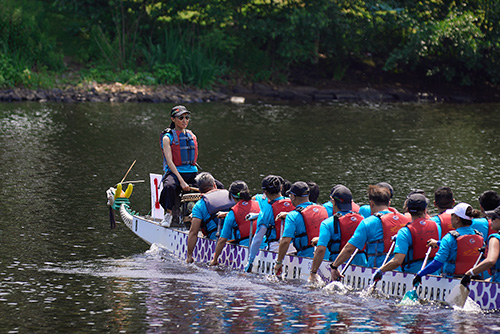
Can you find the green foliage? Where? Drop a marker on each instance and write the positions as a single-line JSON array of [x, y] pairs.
[[22, 38], [195, 60], [449, 48], [167, 74]]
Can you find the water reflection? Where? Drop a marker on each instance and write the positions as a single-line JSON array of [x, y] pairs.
[[62, 270]]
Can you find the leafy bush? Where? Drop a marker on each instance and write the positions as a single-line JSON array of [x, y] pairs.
[[167, 74], [450, 48]]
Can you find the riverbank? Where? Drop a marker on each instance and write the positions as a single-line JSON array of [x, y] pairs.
[[254, 93]]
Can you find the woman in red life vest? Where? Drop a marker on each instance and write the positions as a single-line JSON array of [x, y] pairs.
[[180, 152], [459, 249], [236, 226]]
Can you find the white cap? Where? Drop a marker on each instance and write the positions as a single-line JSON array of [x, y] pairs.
[[460, 210]]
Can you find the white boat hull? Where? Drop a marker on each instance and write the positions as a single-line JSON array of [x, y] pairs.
[[394, 284]]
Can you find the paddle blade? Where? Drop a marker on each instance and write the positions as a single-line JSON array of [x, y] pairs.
[[410, 298], [458, 295]]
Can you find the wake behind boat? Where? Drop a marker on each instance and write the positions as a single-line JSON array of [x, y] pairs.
[[174, 240]]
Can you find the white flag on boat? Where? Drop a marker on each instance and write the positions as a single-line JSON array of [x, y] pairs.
[[156, 187]]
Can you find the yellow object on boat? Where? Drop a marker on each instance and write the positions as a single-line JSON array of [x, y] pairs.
[[128, 192]]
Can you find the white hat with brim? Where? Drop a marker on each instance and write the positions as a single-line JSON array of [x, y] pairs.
[[460, 210]]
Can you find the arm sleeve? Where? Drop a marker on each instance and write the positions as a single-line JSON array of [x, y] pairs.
[[256, 242], [430, 268]]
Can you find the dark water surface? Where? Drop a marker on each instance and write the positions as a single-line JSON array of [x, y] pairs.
[[63, 271]]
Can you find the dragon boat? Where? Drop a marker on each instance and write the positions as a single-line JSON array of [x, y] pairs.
[[174, 240]]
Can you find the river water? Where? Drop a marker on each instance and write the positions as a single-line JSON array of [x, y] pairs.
[[62, 270]]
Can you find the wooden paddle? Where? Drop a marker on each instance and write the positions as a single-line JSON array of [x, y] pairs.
[[459, 294], [411, 296]]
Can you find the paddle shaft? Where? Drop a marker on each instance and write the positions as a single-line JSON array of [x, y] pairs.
[[130, 168], [385, 260], [348, 263]]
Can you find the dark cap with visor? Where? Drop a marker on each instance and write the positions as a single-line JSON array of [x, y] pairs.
[[178, 111], [299, 188]]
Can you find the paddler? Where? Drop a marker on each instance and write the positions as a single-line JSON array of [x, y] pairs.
[[336, 230], [375, 232], [236, 225], [492, 261], [301, 224], [329, 204], [365, 210], [269, 228], [459, 249], [180, 153], [443, 200], [204, 213], [411, 241]]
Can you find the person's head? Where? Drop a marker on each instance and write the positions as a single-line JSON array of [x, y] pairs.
[[238, 190], [414, 191], [313, 191], [416, 204], [379, 195], [462, 214], [387, 186], [298, 193], [285, 185], [342, 197], [443, 198], [489, 200], [494, 215], [180, 117], [205, 182], [272, 184]]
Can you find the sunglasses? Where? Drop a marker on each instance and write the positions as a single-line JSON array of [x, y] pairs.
[[182, 117]]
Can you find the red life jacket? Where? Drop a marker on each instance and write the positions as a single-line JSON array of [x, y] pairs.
[[468, 247], [184, 147], [446, 227], [241, 210], [282, 205], [313, 215], [346, 225], [392, 222], [421, 230]]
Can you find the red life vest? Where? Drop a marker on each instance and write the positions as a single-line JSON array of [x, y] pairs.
[[468, 246], [446, 227], [313, 215], [346, 225], [392, 222], [184, 147], [282, 205], [241, 210], [421, 230]]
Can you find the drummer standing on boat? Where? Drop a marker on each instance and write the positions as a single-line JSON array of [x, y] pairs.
[[180, 152]]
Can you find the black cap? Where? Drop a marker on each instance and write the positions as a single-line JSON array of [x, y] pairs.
[[271, 184], [416, 202], [494, 213], [388, 186], [299, 188], [236, 187], [178, 110], [342, 197]]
